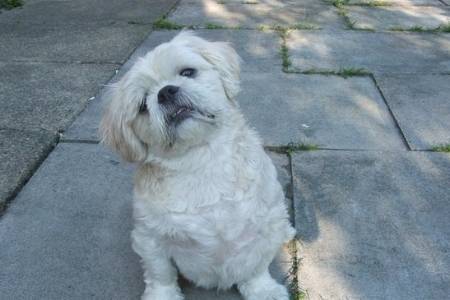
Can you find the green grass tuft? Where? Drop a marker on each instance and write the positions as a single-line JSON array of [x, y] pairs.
[[442, 28], [302, 26], [293, 147], [417, 29], [349, 72], [342, 11], [285, 28], [286, 60], [344, 72], [339, 3], [374, 3], [441, 148], [299, 295], [163, 23], [213, 26], [10, 4]]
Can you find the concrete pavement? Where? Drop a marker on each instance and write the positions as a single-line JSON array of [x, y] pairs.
[[370, 201], [54, 57]]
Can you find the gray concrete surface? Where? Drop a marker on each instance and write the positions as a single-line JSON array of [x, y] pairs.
[[373, 225], [398, 17], [201, 13], [375, 52], [20, 153], [328, 111], [400, 2], [47, 96], [421, 105], [77, 43], [54, 56], [259, 52], [79, 13], [70, 229]]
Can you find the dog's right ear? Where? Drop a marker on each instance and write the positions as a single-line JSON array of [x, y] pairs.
[[227, 62], [221, 55], [116, 125]]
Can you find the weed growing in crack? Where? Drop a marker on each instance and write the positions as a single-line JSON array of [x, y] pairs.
[[441, 148], [10, 4], [163, 23], [213, 26], [441, 28], [374, 3], [344, 72], [292, 148], [296, 292]]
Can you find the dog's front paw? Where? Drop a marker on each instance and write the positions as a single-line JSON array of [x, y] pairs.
[[162, 292], [263, 288]]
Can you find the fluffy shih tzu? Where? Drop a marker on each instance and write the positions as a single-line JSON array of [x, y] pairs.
[[207, 202]]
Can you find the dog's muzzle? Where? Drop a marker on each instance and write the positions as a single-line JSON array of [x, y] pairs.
[[177, 106]]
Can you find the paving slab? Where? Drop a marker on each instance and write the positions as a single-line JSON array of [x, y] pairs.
[[47, 96], [328, 111], [75, 216], [373, 225], [20, 153], [377, 52], [421, 105], [78, 43], [399, 2], [255, 16], [398, 17], [68, 13], [258, 50]]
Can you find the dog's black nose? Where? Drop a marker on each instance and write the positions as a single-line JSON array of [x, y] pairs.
[[167, 93]]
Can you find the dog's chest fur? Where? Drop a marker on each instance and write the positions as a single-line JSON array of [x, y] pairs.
[[211, 209]]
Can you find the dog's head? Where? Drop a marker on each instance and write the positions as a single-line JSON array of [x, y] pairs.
[[175, 97]]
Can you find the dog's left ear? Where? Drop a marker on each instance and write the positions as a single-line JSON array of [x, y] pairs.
[[227, 62], [115, 128]]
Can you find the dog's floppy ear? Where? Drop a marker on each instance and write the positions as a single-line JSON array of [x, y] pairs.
[[115, 127], [227, 62], [221, 55]]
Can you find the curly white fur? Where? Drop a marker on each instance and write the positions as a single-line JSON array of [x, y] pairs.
[[207, 201]]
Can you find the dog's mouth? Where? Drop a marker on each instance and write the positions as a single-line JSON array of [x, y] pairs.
[[180, 114], [184, 112]]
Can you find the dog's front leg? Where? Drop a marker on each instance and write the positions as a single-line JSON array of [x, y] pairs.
[[160, 275], [263, 287]]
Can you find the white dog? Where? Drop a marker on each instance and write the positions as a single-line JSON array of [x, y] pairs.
[[207, 201]]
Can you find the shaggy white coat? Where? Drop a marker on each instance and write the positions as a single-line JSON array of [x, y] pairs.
[[207, 200]]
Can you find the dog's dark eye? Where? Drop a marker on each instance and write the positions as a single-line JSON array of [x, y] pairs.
[[143, 105], [188, 72]]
